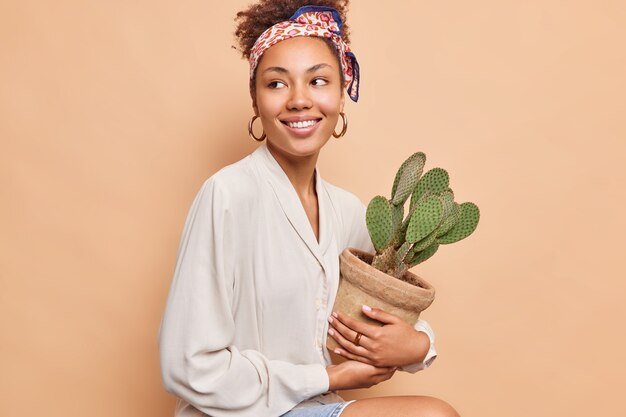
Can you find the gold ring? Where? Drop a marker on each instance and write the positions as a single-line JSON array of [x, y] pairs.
[[357, 338]]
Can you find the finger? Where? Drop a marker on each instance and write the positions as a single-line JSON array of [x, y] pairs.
[[352, 324], [347, 332], [349, 345], [380, 315], [352, 356]]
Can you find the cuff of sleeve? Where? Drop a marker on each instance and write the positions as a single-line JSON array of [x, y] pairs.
[[423, 326], [317, 379]]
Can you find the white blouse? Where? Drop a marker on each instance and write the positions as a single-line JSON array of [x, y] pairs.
[[244, 328]]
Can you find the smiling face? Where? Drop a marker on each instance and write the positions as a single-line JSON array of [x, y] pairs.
[[298, 95]]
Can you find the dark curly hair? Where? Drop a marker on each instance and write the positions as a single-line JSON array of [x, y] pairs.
[[265, 13]]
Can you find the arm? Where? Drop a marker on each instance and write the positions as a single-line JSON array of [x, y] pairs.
[[199, 362], [424, 329]]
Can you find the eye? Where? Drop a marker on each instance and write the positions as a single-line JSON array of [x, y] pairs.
[[319, 81], [276, 84]]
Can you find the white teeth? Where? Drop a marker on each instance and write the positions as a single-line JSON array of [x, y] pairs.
[[301, 125]]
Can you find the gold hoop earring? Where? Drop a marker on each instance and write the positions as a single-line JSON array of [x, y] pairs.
[[345, 126], [251, 133]]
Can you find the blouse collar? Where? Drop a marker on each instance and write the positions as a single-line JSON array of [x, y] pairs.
[[292, 206]]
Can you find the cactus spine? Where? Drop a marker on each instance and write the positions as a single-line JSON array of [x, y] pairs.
[[433, 219]]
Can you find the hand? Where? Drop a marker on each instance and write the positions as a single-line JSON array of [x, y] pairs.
[[354, 374], [394, 344]]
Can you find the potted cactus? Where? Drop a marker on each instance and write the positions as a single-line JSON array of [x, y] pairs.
[[383, 279]]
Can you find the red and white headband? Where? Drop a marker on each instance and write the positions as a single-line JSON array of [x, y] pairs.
[[311, 21]]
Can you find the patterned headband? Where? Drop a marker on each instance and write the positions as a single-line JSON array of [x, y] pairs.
[[311, 21]]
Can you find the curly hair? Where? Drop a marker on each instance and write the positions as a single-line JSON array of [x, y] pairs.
[[265, 13]]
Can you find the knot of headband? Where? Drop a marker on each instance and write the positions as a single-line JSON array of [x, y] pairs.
[[311, 21]]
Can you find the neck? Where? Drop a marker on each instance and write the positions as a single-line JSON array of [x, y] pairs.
[[299, 170]]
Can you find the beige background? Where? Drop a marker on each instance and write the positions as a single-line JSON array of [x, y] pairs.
[[113, 113]]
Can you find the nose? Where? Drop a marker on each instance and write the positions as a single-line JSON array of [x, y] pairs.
[[299, 98]]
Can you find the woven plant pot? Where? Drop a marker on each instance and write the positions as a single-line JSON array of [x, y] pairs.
[[360, 283]]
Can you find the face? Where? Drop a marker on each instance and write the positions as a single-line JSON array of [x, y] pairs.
[[298, 96]]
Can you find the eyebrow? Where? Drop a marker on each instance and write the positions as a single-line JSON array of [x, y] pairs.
[[285, 71]]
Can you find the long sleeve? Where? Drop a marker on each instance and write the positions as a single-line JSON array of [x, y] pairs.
[[360, 239], [199, 362]]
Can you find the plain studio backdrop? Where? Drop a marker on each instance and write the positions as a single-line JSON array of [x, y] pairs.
[[112, 114]]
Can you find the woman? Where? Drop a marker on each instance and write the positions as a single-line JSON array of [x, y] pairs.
[[250, 304]]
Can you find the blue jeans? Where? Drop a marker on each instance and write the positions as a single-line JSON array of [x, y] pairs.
[[322, 410]]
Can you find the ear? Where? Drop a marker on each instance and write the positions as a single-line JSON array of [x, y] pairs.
[[343, 101]]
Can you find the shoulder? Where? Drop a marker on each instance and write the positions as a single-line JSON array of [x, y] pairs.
[[236, 183]]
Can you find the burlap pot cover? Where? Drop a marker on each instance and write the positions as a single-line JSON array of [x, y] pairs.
[[360, 283]]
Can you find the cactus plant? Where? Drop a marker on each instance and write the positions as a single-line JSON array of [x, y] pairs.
[[433, 218]]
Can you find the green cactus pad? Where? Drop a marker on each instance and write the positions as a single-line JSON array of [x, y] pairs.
[[407, 178], [424, 255], [398, 236], [379, 219], [447, 199], [402, 253], [426, 242], [397, 213], [425, 219], [466, 224], [412, 207], [436, 181], [449, 221]]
